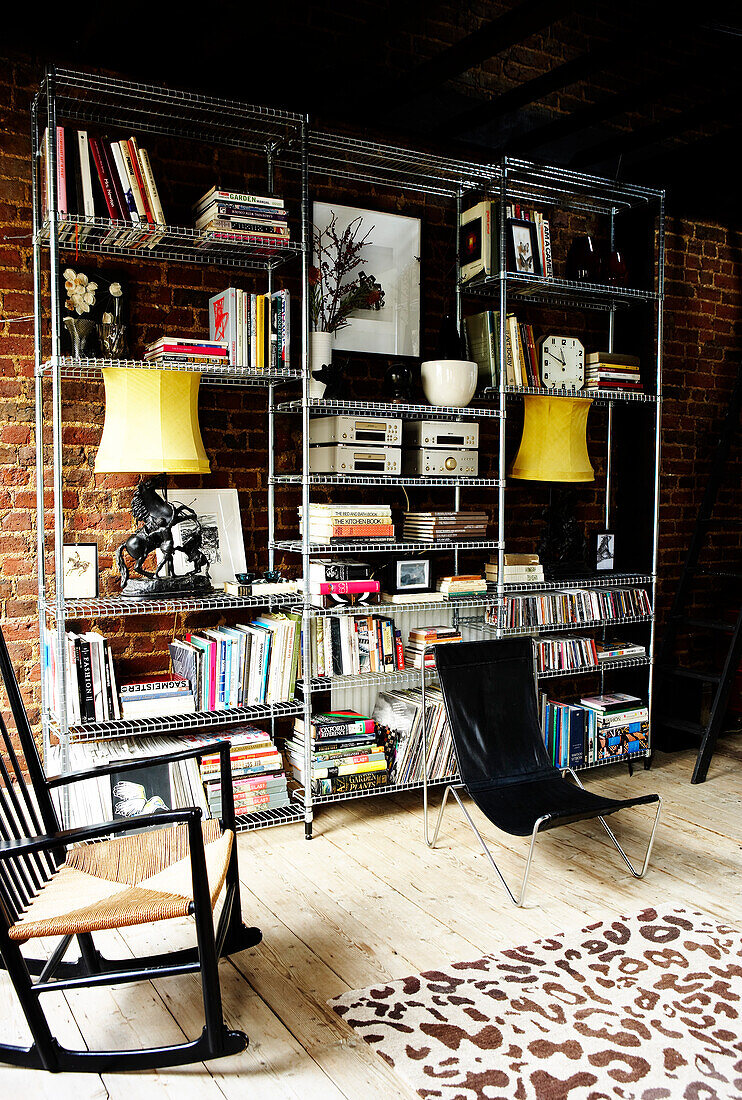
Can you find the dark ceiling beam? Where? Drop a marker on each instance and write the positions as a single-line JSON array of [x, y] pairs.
[[632, 141], [527, 18], [622, 49]]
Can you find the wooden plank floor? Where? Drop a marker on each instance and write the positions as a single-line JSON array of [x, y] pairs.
[[367, 902]]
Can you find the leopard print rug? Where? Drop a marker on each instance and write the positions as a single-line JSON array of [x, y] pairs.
[[647, 1007]]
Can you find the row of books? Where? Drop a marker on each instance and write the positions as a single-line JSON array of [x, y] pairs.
[[243, 665], [444, 526], [543, 234], [255, 328], [595, 730], [258, 779], [346, 753], [331, 524], [572, 606], [522, 367], [97, 177], [174, 351], [91, 691], [236, 216], [346, 645], [399, 719]]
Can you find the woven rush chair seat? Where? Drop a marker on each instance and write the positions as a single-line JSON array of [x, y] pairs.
[[127, 881]]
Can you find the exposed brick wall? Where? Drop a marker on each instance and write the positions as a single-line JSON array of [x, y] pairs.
[[702, 345]]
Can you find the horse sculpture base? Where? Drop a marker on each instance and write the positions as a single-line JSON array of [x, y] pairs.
[[163, 588]]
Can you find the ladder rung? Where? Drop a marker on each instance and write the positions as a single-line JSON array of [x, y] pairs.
[[728, 574], [695, 674], [682, 726], [709, 624]]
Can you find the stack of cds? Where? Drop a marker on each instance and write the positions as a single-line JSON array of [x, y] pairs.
[[444, 526], [174, 351]]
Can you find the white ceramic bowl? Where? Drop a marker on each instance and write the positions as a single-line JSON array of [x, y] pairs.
[[449, 381]]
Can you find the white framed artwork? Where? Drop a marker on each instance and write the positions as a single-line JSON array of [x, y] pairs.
[[223, 543], [392, 256]]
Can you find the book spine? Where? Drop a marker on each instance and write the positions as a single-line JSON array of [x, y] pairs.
[[101, 168], [149, 182], [136, 168], [342, 784], [240, 197], [113, 174], [61, 172], [87, 697], [399, 650], [548, 261], [136, 195]]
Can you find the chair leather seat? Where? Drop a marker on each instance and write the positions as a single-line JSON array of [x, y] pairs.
[[515, 807]]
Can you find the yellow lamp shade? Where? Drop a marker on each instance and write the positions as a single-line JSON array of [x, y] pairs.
[[151, 423], [553, 446]]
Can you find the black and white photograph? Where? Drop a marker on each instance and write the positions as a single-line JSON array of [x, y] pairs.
[[222, 540], [141, 791], [523, 250], [605, 547], [412, 575]]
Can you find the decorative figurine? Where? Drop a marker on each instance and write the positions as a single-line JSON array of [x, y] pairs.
[[158, 516], [398, 383], [334, 380]]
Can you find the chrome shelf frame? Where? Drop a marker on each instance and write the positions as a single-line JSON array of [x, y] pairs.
[[266, 819], [389, 788], [89, 369], [115, 606], [388, 480], [598, 396], [536, 630], [320, 407], [293, 546], [557, 291], [367, 679], [601, 666]]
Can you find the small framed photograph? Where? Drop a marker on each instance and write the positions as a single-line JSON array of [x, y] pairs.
[[80, 565], [223, 543], [410, 575], [605, 550], [522, 242]]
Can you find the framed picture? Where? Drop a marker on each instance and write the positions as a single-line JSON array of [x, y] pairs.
[[410, 575], [522, 242], [392, 256], [90, 297], [223, 543], [80, 564], [605, 550]]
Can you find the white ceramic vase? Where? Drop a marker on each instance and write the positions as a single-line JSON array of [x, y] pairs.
[[320, 355], [449, 381]]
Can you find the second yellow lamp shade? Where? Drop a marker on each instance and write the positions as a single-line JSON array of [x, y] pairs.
[[151, 423], [553, 446]]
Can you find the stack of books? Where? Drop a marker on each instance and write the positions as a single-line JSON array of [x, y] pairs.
[[612, 371], [156, 697], [241, 666], [345, 645], [333, 582], [255, 327], [444, 526], [174, 351], [599, 728], [90, 682], [422, 637], [399, 716], [462, 584], [346, 754], [233, 216], [331, 524], [517, 569], [101, 178], [611, 651], [258, 779]]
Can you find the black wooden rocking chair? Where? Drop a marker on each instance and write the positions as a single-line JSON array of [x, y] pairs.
[[53, 883], [489, 689]]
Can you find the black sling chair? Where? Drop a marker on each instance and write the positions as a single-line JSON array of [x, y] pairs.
[[489, 688], [54, 884]]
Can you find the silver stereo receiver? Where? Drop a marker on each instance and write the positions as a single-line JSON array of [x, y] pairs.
[[374, 431], [441, 433], [437, 462], [340, 459]]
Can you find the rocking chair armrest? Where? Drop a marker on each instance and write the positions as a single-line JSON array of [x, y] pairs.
[[62, 839], [122, 765]]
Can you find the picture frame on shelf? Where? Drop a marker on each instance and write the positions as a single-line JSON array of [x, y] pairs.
[[409, 575], [80, 570], [222, 539], [392, 256], [522, 247], [605, 550]]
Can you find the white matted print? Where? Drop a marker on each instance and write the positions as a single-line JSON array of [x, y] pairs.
[[392, 256], [80, 565], [223, 543]]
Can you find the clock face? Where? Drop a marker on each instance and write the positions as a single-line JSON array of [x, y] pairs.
[[562, 363]]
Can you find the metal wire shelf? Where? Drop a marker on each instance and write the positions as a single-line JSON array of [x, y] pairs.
[[599, 396], [266, 819], [90, 369], [107, 606], [390, 480], [172, 242], [584, 670], [386, 408], [390, 788], [155, 109], [367, 679], [294, 546], [535, 630], [538, 288], [544, 184], [174, 723], [615, 580]]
